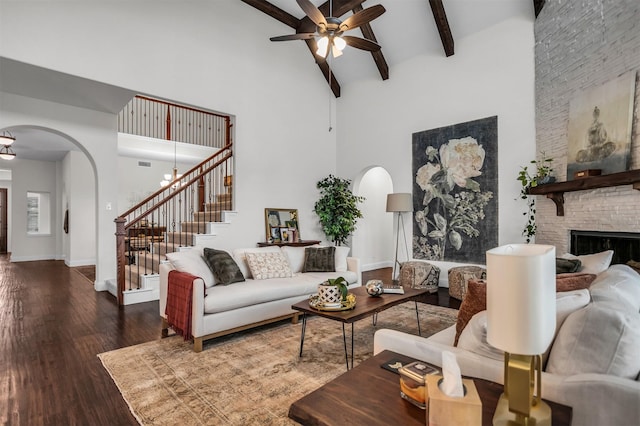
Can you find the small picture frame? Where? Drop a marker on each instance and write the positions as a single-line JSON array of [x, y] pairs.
[[275, 234], [284, 233]]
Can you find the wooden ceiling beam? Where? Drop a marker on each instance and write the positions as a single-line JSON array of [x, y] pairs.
[[537, 6], [275, 12], [378, 57], [442, 23]]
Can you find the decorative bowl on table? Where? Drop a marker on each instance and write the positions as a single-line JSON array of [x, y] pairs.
[[374, 288]]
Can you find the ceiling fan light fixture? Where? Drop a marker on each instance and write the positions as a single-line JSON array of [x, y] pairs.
[[323, 43], [339, 43]]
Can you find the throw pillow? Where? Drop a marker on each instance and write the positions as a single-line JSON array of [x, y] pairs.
[[240, 255], [475, 301], [592, 263], [319, 259], [296, 257], [575, 281], [565, 266], [191, 261], [223, 266], [599, 339], [268, 265]]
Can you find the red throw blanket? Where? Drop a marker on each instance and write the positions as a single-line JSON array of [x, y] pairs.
[[179, 302]]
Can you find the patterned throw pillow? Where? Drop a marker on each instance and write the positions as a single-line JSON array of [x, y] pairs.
[[223, 266], [319, 259], [268, 265], [474, 302]]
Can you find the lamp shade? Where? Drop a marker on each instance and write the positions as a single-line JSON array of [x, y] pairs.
[[400, 202], [521, 300]]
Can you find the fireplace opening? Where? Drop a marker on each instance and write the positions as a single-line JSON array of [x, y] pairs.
[[625, 245]]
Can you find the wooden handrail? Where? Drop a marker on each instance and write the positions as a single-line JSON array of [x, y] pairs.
[[180, 189]]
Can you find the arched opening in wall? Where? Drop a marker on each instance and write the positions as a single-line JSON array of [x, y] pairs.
[[373, 240], [52, 205]]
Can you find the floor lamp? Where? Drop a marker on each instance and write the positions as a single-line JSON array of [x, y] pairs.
[[399, 203]]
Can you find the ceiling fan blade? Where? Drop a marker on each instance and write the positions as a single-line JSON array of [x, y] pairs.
[[300, 36], [362, 43], [312, 12], [363, 17]]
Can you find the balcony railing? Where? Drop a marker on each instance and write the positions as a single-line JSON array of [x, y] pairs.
[[154, 118]]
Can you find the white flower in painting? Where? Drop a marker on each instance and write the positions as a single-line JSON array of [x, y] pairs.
[[425, 173], [463, 159]]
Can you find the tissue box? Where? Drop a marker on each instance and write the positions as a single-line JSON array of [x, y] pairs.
[[444, 410], [412, 382]]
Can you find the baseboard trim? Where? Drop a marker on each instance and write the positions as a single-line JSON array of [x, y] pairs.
[[377, 265], [80, 262]]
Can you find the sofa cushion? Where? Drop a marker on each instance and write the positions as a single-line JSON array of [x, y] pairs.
[[565, 266], [295, 256], [319, 259], [341, 258], [223, 266], [475, 301], [573, 281], [240, 256], [191, 261], [598, 339], [592, 263], [474, 336], [619, 284], [268, 265]]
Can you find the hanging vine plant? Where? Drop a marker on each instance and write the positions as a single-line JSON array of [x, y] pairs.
[[542, 175], [337, 208]]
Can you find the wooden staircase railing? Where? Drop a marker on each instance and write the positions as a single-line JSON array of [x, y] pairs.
[[172, 215]]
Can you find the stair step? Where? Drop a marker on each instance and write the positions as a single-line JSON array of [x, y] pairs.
[[217, 207], [208, 216], [151, 261], [163, 248], [224, 197], [132, 274], [195, 227], [179, 238]]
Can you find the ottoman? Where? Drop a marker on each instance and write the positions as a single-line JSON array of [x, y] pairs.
[[460, 275], [417, 274]]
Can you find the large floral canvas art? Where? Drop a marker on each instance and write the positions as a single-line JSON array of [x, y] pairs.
[[600, 122], [455, 191]]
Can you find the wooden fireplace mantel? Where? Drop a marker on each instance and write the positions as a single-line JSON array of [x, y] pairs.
[[555, 191]]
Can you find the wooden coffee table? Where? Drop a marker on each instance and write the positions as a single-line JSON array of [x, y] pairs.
[[370, 395], [365, 306]]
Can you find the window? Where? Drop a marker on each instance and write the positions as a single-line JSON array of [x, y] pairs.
[[38, 213]]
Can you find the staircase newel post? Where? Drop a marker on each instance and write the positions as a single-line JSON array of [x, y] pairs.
[[168, 122], [120, 256]]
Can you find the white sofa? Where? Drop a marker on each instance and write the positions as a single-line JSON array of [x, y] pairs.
[[593, 362], [225, 309]]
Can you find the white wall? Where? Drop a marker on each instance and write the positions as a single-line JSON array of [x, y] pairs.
[[490, 74], [37, 176], [95, 133]]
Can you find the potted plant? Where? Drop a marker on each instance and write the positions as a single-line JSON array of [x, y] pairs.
[[333, 291], [337, 208], [530, 179]]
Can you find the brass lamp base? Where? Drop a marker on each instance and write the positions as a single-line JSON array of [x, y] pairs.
[[540, 415]]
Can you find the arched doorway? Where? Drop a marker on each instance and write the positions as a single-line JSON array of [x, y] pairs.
[[373, 242]]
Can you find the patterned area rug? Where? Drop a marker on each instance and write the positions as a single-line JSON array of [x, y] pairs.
[[248, 378]]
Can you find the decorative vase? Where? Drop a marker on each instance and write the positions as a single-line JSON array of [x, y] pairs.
[[374, 288], [329, 294]]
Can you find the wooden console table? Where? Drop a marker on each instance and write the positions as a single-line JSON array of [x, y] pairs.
[[370, 395], [301, 243], [555, 191]]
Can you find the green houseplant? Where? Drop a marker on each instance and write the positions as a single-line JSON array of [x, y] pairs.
[[530, 179], [337, 208]]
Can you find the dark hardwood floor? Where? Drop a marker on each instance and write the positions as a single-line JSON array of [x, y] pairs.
[[53, 326]]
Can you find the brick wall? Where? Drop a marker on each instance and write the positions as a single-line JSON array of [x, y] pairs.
[[581, 45]]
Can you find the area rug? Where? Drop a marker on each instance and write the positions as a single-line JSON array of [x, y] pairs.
[[248, 378]]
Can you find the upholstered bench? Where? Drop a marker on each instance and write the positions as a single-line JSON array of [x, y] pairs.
[[417, 274], [460, 275]]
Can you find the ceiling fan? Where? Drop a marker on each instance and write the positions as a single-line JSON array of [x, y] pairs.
[[330, 29]]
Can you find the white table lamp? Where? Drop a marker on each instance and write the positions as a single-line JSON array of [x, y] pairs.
[[521, 320], [399, 203]]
